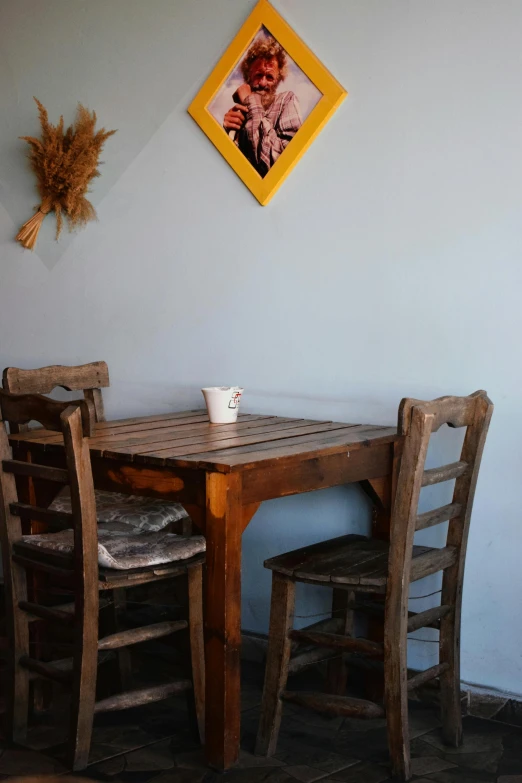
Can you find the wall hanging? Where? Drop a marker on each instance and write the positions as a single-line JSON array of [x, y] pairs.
[[265, 101], [64, 161]]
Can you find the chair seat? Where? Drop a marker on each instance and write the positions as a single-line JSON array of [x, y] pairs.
[[114, 509], [350, 560], [116, 551]]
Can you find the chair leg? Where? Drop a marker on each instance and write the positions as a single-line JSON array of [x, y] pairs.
[[396, 705], [85, 660], [278, 657], [336, 676], [18, 698], [449, 645], [197, 646], [396, 681]]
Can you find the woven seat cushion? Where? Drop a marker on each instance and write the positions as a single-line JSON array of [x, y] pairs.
[[147, 514], [123, 551]]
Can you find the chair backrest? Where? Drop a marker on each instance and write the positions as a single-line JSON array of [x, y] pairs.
[[76, 421], [417, 421], [88, 378]]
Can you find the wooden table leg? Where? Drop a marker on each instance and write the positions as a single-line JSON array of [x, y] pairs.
[[223, 619]]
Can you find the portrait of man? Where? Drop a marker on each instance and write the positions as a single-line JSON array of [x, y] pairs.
[[264, 102]]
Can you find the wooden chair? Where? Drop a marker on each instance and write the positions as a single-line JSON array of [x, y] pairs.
[[113, 509], [72, 557], [354, 565]]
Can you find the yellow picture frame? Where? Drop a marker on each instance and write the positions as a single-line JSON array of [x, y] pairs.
[[264, 15]]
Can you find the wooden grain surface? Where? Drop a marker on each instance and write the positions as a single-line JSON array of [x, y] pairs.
[[187, 439]]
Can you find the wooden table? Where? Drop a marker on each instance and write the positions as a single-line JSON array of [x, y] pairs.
[[222, 473]]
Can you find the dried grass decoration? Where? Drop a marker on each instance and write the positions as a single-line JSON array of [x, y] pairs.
[[64, 164]]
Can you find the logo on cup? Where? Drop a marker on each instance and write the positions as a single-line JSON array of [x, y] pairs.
[[234, 400]]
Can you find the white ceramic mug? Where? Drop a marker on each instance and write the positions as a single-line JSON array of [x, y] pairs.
[[222, 403]]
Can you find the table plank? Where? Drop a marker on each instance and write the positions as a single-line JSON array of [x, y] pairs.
[[121, 433], [162, 417], [169, 439], [207, 445], [134, 424], [157, 431], [303, 447], [158, 428]]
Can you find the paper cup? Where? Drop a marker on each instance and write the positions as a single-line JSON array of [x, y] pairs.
[[222, 403]]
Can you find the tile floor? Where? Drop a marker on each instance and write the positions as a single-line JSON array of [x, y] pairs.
[[153, 743]]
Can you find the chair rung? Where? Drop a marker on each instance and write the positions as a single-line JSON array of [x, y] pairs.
[[424, 619], [432, 561], [329, 625], [335, 705], [141, 696], [60, 670], [21, 468], [68, 609], [347, 643], [311, 656], [142, 634], [427, 675], [444, 473], [65, 574], [56, 519], [53, 613], [438, 515], [48, 670], [429, 618]]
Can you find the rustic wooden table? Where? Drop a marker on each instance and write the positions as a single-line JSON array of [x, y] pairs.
[[222, 473]]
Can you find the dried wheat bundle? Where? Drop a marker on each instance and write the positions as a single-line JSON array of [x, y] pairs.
[[64, 163]]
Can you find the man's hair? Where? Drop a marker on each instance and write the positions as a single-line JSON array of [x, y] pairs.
[[267, 48]]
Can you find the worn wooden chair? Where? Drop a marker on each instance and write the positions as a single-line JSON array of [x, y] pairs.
[[112, 508], [354, 565], [85, 561]]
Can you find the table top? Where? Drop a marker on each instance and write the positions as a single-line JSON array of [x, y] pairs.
[[187, 439]]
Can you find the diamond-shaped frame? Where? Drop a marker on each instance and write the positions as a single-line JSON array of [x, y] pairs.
[[333, 94]]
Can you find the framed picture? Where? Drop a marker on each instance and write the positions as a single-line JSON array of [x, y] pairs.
[[265, 101]]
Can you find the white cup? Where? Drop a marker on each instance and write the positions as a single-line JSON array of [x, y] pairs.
[[222, 403]]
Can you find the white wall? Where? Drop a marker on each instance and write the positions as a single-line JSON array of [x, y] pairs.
[[387, 265]]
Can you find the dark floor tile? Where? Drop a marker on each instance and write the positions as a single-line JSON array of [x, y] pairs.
[[460, 775], [109, 741], [511, 761], [482, 746], [364, 772], [251, 775], [371, 745], [292, 753], [305, 774], [153, 758], [247, 760], [28, 762], [184, 776], [422, 719], [108, 769], [427, 765]]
